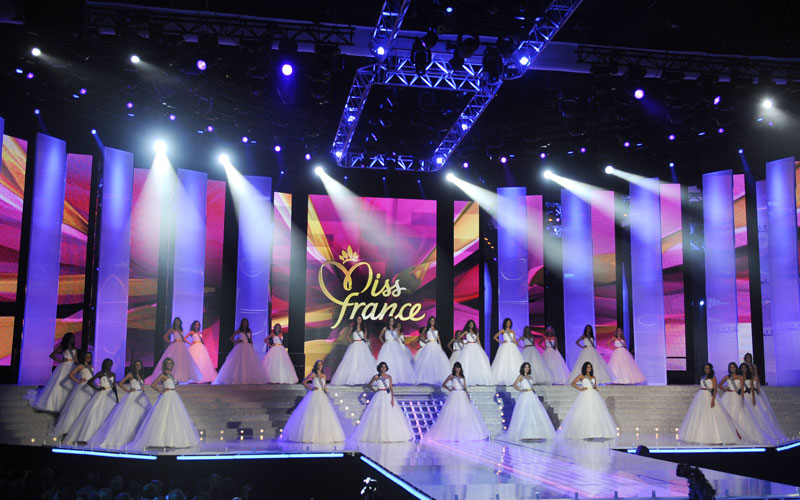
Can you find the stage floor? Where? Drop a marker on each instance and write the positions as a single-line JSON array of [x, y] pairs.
[[536, 470]]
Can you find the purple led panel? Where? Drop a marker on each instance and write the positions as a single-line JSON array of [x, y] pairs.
[[512, 257], [189, 262], [762, 217]]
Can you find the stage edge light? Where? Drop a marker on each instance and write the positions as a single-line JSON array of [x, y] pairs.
[[160, 147], [395, 479], [260, 456], [69, 451]]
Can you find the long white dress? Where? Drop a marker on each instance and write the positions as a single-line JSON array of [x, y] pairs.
[[459, 419], [168, 424], [242, 365], [507, 361], [124, 420], [742, 413], [529, 420], [201, 358], [394, 355], [457, 346], [358, 364], [314, 420], [475, 362], [54, 394], [432, 365], [94, 413], [704, 424], [530, 353], [185, 369], [588, 416], [381, 422], [623, 366], [277, 365], [559, 373], [765, 416], [78, 398], [602, 373]]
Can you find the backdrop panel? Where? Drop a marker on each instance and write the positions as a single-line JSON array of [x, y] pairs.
[[535, 263], [512, 258], [466, 266], [672, 263], [762, 214], [604, 257], [190, 244]]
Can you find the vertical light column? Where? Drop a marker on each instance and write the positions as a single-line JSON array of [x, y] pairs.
[[762, 216], [255, 252], [784, 284], [512, 257], [41, 298], [647, 287], [576, 244], [190, 245], [720, 259], [535, 277], [113, 260]]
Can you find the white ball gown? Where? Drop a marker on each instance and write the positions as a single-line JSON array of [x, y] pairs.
[[529, 420], [242, 365], [124, 420], [602, 373], [185, 369], [52, 397], [765, 417], [395, 355], [94, 413], [742, 413], [358, 364], [539, 372], [168, 424], [314, 420], [559, 373], [588, 416], [704, 424], [432, 365], [459, 419], [277, 365], [199, 353], [78, 398], [475, 362], [457, 346], [507, 360], [381, 422], [623, 366]]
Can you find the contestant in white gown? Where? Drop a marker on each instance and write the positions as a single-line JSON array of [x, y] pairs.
[[242, 365], [197, 348], [124, 420], [529, 420], [588, 417], [383, 421], [740, 403], [459, 419], [98, 408], [277, 365], [622, 364], [455, 345], [186, 370], [765, 415], [706, 421], [432, 365], [78, 397], [356, 365], [473, 358], [395, 355], [52, 397], [314, 420], [530, 353], [602, 373], [401, 337], [507, 359], [559, 373], [168, 424]]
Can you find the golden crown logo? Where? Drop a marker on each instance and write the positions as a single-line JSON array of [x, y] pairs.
[[348, 255]]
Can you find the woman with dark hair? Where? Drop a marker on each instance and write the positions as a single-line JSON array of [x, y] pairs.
[[277, 365], [602, 373], [459, 419], [53, 396], [473, 358], [186, 370], [356, 365], [79, 396], [741, 406], [559, 373], [764, 413], [588, 417], [529, 420], [508, 358], [622, 364], [124, 420], [98, 408], [383, 421], [242, 365], [168, 425], [314, 420], [455, 345], [432, 365], [393, 354], [197, 348], [530, 353], [707, 422]]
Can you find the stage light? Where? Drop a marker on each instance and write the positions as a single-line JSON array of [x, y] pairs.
[[638, 94], [717, 100], [29, 76], [135, 59], [542, 155], [287, 69], [701, 134], [307, 156], [524, 61], [160, 147], [82, 91], [319, 170], [35, 52], [172, 118], [450, 177], [383, 179], [767, 104], [465, 165], [245, 139], [277, 148], [671, 137], [741, 151], [201, 65], [465, 126], [129, 105], [36, 111], [94, 131], [609, 169], [503, 160], [18, 71], [547, 174], [720, 130], [448, 9], [380, 50], [702, 302], [583, 150], [210, 128], [672, 164], [345, 177], [439, 160], [627, 144], [338, 154]]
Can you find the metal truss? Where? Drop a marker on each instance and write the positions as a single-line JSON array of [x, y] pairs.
[[391, 18]]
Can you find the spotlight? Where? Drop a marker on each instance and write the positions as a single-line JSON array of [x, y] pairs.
[[210, 128], [224, 159], [638, 94], [450, 177], [308, 156], [18, 71], [36, 111], [448, 9], [465, 165], [671, 137], [160, 147], [547, 174], [767, 104], [609, 169], [465, 126], [627, 144], [583, 150], [319, 170], [720, 130], [94, 131], [29, 76], [503, 160], [524, 61], [172, 118], [542, 155], [82, 91], [717, 100], [135, 59], [245, 139], [129, 105], [380, 50], [201, 65], [383, 178], [287, 69], [439, 160], [741, 151], [672, 164], [702, 302], [277, 148], [35, 52]]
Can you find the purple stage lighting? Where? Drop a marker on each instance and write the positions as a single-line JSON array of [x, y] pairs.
[[307, 156], [701, 134], [287, 69], [201, 65], [524, 61], [741, 151], [245, 139], [36, 111], [717, 100], [503, 160], [542, 155], [82, 91], [583, 150], [671, 137], [172, 118], [720, 130], [29, 76], [18, 71], [627, 144], [449, 9], [210, 128], [94, 131], [277, 148], [129, 105], [465, 165], [671, 164], [380, 51], [638, 94], [384, 178]]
